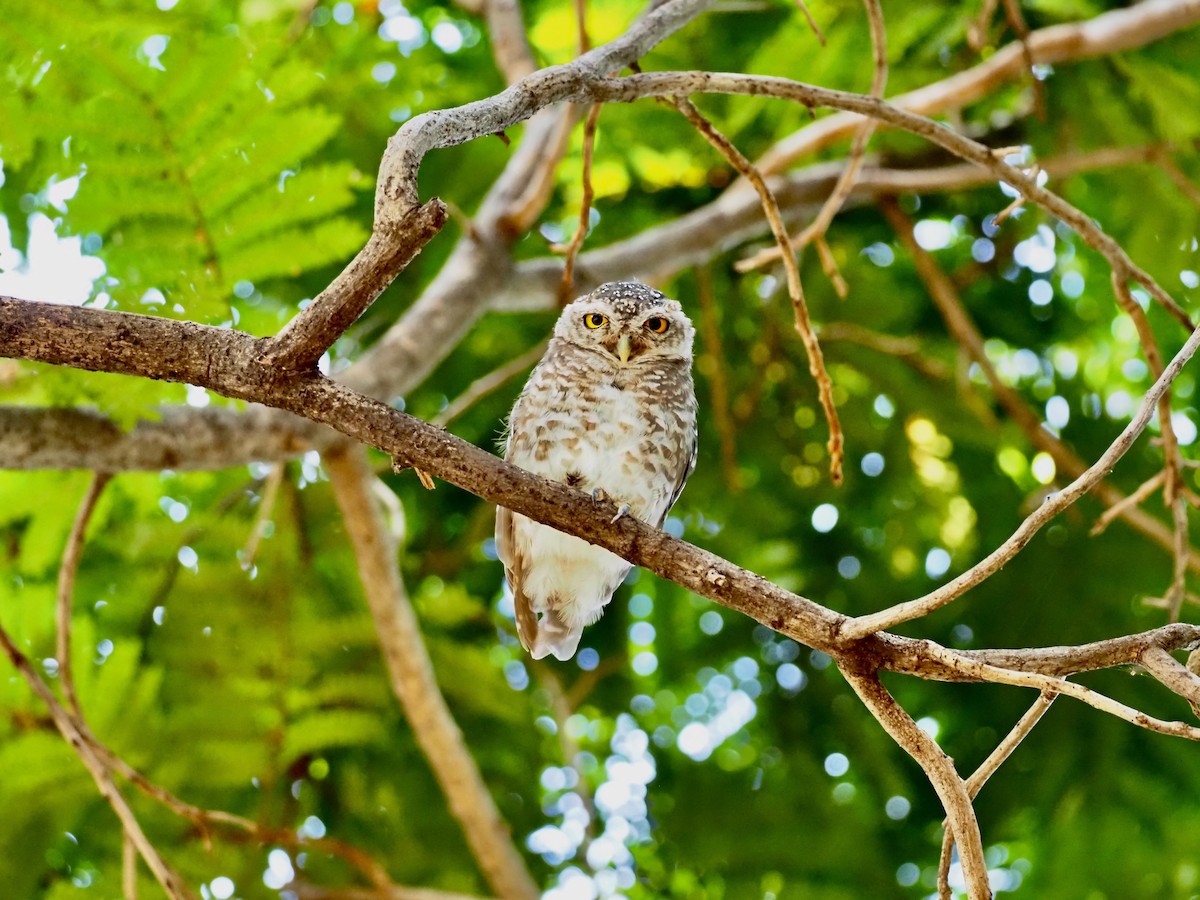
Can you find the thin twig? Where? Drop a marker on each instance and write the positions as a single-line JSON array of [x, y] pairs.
[[844, 186], [997, 675], [966, 333], [1019, 201], [1177, 175], [66, 723], [585, 42], [907, 349], [660, 84], [986, 770], [1172, 461], [816, 361], [128, 868], [977, 31], [710, 331], [812, 23], [1016, 20], [1143, 492], [566, 287], [266, 506], [66, 587], [1055, 503]]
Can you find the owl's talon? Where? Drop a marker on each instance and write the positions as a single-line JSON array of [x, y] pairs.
[[598, 495], [622, 512]]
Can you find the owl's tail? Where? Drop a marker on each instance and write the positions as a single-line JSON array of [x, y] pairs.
[[551, 634], [555, 636]]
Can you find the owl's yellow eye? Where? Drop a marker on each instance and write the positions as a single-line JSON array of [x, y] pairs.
[[657, 324], [595, 320]]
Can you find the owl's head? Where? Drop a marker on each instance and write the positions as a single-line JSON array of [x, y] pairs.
[[630, 322]]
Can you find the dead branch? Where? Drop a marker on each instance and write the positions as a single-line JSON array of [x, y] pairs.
[[986, 770], [66, 587], [481, 387], [224, 361], [1054, 504], [572, 248], [392, 246], [659, 84], [173, 886], [812, 347], [938, 767], [718, 379], [186, 438], [1110, 32], [815, 231]]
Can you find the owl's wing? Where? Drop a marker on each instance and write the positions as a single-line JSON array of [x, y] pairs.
[[681, 478], [506, 550]]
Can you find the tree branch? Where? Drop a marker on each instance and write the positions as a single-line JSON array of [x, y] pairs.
[[1056, 503], [414, 683], [389, 250], [986, 770], [1110, 32], [69, 727], [225, 361], [66, 588], [938, 767]]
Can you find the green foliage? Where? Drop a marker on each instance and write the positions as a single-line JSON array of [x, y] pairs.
[[229, 170]]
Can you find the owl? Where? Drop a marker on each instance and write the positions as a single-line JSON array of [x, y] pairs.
[[611, 410]]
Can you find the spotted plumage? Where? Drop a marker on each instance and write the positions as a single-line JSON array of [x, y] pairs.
[[609, 410]]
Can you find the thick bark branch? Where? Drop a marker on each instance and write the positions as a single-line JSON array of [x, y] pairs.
[[397, 185], [211, 357]]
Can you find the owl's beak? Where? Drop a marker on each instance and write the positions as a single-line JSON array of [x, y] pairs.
[[624, 345]]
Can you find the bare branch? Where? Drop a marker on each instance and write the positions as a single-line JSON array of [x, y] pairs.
[[397, 185], [972, 667], [392, 246], [128, 868], [62, 335], [481, 387], [218, 437], [862, 136], [816, 360], [66, 587], [173, 886], [1054, 504], [1016, 20], [964, 331], [1144, 490], [718, 381], [573, 247], [510, 43], [1173, 675], [266, 506], [415, 685], [986, 770], [938, 767], [668, 83], [1110, 32]]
